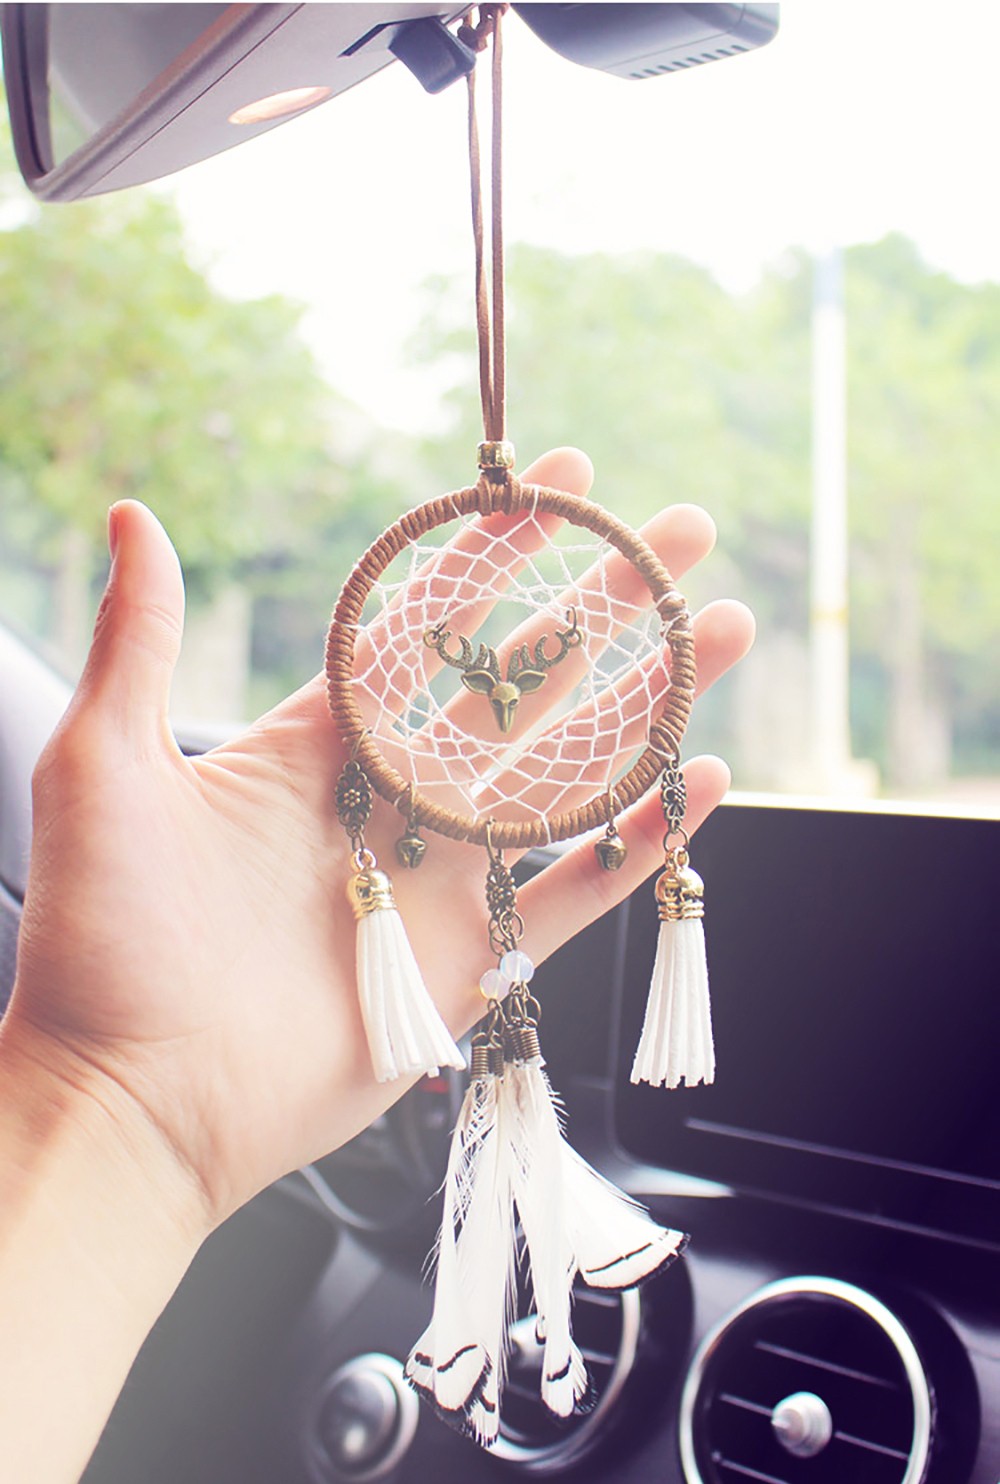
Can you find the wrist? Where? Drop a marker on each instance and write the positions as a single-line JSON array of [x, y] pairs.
[[61, 1113], [99, 1225]]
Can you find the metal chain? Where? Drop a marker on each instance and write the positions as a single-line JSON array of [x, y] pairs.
[[506, 927], [354, 802], [673, 797]]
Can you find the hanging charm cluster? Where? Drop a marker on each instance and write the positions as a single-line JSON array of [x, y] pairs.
[[406, 1035], [676, 1043], [510, 1165]]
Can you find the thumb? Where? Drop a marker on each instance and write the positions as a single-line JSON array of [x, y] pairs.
[[137, 635]]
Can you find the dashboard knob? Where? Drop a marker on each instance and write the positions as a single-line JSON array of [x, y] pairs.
[[802, 1424], [367, 1418]]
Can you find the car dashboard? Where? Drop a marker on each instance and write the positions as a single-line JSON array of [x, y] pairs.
[[835, 1318]]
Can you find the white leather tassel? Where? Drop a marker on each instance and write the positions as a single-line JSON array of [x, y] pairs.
[[458, 1362], [406, 1035], [676, 1042]]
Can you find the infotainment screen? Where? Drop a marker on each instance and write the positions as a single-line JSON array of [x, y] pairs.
[[855, 967]]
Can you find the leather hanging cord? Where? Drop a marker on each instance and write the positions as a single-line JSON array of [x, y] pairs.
[[482, 297], [499, 409], [489, 325]]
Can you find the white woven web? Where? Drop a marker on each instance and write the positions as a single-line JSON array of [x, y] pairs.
[[574, 736]]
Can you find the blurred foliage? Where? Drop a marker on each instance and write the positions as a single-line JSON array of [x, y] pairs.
[[678, 391], [124, 372], [683, 391], [925, 494]]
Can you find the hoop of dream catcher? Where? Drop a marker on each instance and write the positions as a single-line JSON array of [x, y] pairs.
[[510, 1163], [510, 498]]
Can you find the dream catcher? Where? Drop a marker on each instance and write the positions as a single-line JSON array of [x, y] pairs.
[[533, 678]]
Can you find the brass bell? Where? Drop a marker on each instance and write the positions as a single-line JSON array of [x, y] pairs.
[[611, 850], [411, 849]]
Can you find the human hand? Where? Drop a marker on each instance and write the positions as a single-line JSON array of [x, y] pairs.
[[187, 953]]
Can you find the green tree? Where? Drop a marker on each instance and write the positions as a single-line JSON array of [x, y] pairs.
[[678, 389], [924, 450], [651, 363], [123, 372], [684, 391]]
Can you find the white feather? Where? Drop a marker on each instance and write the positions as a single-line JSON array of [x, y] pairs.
[[482, 1416], [617, 1243], [676, 1041], [539, 1190], [458, 1362], [508, 1146], [406, 1035], [486, 1258], [446, 1363]]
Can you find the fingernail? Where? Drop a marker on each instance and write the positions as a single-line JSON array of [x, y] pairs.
[[113, 530]]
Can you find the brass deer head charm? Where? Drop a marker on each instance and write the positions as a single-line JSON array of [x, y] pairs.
[[527, 669]]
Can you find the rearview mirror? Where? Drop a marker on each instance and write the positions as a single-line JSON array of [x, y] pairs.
[[105, 96]]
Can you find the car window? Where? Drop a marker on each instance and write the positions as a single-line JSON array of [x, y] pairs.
[[275, 350]]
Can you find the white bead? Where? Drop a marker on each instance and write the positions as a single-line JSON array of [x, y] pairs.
[[493, 984], [516, 967]]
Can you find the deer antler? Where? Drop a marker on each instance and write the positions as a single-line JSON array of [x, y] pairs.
[[526, 669], [437, 639], [567, 639], [518, 660]]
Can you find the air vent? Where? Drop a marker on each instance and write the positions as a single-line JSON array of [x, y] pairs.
[[606, 1327], [807, 1369]]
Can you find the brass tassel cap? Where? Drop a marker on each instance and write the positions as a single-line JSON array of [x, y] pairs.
[[370, 890], [680, 894]]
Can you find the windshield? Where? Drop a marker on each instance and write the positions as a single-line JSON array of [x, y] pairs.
[[770, 286]]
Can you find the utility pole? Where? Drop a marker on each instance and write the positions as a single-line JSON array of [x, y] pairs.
[[829, 637]]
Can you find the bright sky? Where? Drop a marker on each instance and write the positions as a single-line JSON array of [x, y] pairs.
[[861, 117]]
